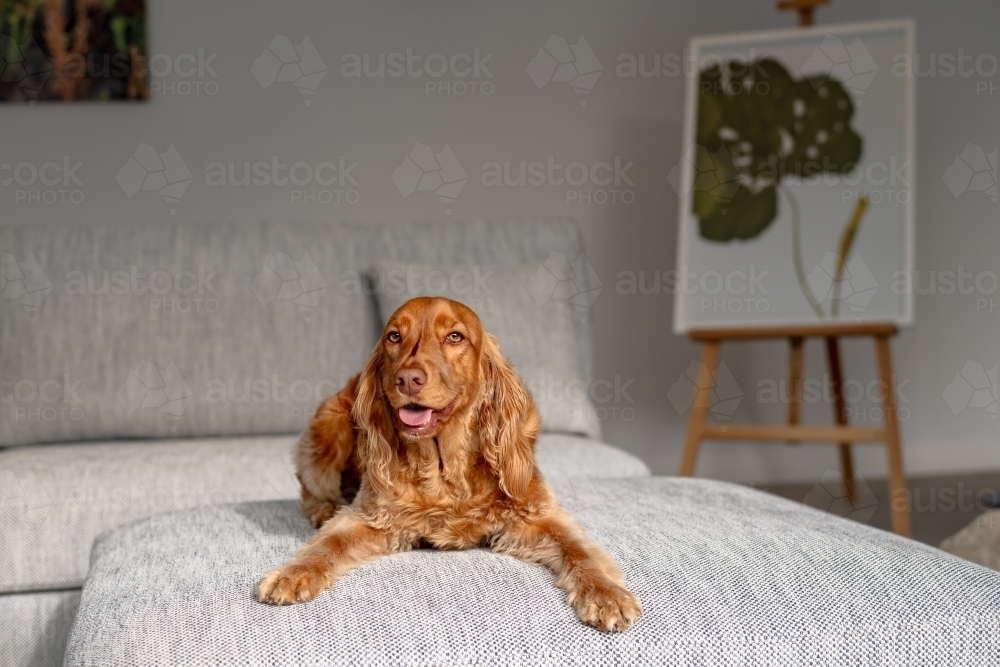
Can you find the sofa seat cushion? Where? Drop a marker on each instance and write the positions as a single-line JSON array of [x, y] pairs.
[[727, 575], [55, 499], [34, 627]]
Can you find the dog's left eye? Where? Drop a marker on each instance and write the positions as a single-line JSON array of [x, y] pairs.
[[455, 337], [393, 337]]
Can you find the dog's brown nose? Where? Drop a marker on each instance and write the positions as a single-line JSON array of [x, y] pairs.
[[410, 380]]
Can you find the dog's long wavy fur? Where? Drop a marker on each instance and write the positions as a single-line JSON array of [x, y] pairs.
[[373, 487]]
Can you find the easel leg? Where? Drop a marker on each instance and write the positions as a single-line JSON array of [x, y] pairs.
[[840, 413], [699, 407], [898, 497], [795, 364]]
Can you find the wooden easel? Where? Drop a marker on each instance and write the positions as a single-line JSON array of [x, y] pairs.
[[794, 432], [805, 8]]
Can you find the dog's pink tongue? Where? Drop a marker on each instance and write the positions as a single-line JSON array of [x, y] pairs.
[[412, 417]]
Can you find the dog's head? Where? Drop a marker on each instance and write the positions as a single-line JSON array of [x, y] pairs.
[[434, 364], [430, 356]]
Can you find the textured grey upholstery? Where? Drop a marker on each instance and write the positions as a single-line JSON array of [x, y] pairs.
[[178, 330], [58, 498], [34, 627], [727, 576], [540, 337], [54, 500], [513, 243], [191, 330]]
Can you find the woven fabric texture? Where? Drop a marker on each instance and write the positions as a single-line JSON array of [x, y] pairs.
[[34, 627], [727, 576], [553, 247], [188, 330], [160, 331], [55, 499], [539, 336]]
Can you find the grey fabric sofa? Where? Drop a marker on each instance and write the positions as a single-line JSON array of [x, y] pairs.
[[157, 377], [157, 368], [726, 576]]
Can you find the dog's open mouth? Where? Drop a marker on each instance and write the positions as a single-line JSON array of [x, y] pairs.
[[419, 419]]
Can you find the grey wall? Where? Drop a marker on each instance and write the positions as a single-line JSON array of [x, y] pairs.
[[223, 114]]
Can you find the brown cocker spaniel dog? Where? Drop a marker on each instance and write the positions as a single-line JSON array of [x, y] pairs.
[[437, 438]]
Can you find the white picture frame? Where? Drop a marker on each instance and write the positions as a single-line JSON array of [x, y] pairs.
[[718, 276]]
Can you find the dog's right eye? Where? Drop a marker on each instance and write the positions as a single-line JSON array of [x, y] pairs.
[[393, 337]]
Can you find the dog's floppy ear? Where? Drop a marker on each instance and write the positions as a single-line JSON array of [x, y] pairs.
[[374, 423], [508, 421]]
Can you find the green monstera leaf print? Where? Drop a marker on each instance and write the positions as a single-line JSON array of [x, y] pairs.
[[758, 126]]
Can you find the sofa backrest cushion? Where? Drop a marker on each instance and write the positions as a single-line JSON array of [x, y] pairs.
[[145, 331], [556, 246], [536, 332]]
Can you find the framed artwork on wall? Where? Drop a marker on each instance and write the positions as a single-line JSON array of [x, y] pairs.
[[73, 50], [796, 181]]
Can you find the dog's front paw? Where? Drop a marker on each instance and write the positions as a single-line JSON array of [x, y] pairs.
[[292, 583], [606, 606]]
